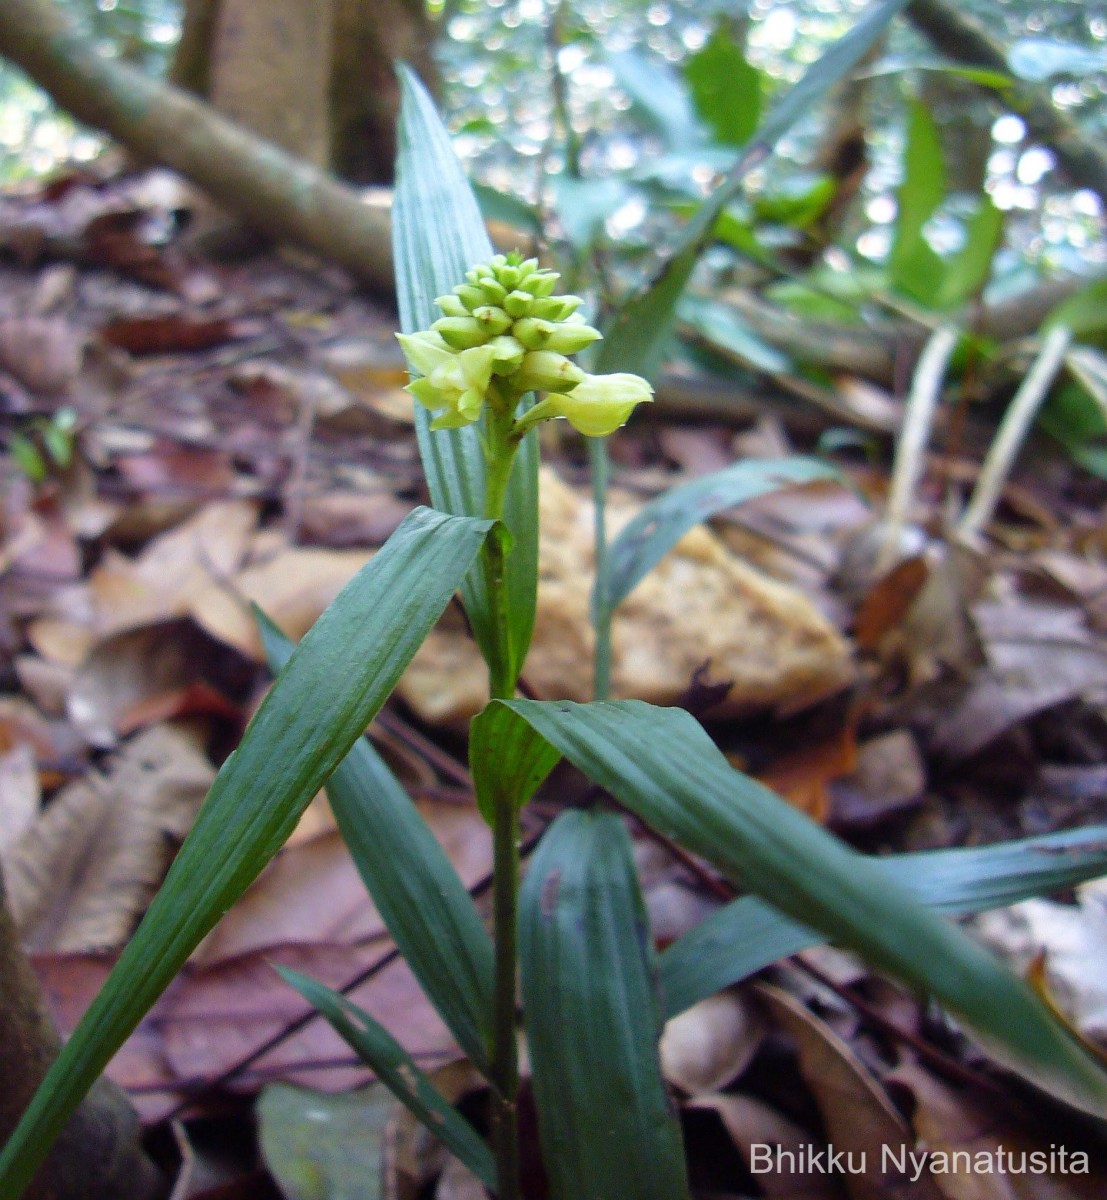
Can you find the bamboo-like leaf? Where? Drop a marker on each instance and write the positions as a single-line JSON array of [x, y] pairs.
[[378, 1049], [646, 539], [747, 934], [662, 765], [592, 1018], [333, 685], [634, 340], [423, 903], [506, 762], [437, 235]]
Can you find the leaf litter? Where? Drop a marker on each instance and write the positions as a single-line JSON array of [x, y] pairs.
[[242, 437]]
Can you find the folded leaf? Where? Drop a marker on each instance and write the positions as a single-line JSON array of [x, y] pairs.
[[333, 685], [378, 1049], [592, 1018]]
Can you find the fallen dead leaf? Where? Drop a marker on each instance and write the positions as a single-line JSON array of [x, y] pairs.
[[859, 1116], [711, 1043], [81, 876], [43, 353], [955, 1128], [804, 776], [20, 795], [751, 1123]]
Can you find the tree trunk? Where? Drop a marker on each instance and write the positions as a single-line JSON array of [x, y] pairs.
[[98, 1155], [316, 77], [284, 198]]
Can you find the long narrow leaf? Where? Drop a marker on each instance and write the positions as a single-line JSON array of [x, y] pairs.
[[592, 1018], [322, 701], [747, 934], [437, 235], [378, 1049], [662, 765], [423, 903], [646, 539], [634, 340]]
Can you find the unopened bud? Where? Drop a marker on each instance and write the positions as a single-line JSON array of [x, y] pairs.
[[545, 371]]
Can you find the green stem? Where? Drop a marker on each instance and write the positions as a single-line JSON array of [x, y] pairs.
[[503, 674], [601, 607]]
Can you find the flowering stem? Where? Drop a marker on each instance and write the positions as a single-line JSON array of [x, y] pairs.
[[503, 674]]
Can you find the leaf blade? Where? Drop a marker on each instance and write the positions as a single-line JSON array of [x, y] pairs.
[[747, 935], [592, 1018], [641, 755], [437, 235], [397, 1071], [354, 654]]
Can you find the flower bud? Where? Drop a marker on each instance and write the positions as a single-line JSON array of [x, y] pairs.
[[544, 371], [462, 333], [494, 292], [541, 283], [599, 404], [470, 296], [456, 388], [508, 354], [555, 308], [424, 351], [451, 306], [519, 304], [493, 321]]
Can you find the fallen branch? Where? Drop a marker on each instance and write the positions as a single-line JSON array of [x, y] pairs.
[[279, 195]]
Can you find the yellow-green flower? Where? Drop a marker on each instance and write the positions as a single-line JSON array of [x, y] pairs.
[[599, 404], [503, 332], [454, 383]]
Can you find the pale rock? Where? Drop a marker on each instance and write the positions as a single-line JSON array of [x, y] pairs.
[[700, 603]]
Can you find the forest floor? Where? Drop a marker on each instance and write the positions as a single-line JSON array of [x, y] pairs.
[[240, 434]]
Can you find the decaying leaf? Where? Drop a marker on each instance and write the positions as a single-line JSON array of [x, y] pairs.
[[81, 876], [711, 1043]]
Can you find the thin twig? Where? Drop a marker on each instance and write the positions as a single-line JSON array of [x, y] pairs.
[[918, 420], [1012, 433]]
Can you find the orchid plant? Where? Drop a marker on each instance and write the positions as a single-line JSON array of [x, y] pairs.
[[569, 963]]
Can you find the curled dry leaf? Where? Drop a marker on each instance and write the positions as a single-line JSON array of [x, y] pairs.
[[711, 1043], [81, 876], [968, 1137], [751, 1123], [858, 1115], [43, 353]]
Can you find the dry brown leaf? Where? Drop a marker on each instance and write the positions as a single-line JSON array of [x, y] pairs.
[[292, 587], [889, 778], [311, 892], [856, 1111], [139, 677], [803, 777], [708, 1045], [955, 1129], [173, 569], [20, 794], [43, 353], [216, 1015], [753, 1125], [699, 603], [84, 872]]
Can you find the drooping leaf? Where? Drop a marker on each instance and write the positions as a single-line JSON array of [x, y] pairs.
[[913, 265], [654, 531], [395, 1068], [747, 934], [507, 764], [423, 903], [726, 88], [968, 271], [1084, 312], [437, 235], [592, 1018], [333, 685], [722, 327], [1039, 59], [661, 765], [635, 339]]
